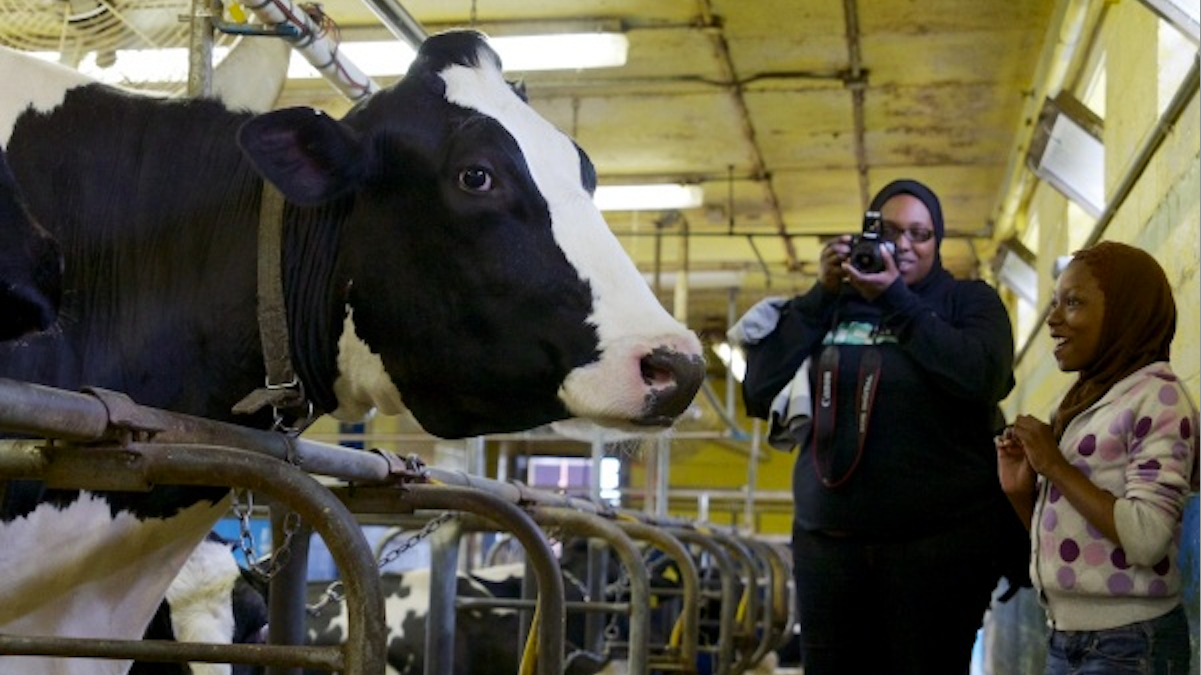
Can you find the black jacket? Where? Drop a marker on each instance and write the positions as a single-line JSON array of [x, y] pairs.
[[928, 462]]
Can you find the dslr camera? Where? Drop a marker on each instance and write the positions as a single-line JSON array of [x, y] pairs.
[[865, 248]]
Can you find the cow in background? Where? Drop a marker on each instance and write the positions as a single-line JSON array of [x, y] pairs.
[[440, 254], [486, 640], [31, 264], [214, 600]]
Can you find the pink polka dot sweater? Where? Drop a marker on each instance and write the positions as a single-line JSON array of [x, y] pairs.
[[1139, 442]]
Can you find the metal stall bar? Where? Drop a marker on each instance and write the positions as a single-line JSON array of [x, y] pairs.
[[776, 615], [592, 525], [729, 576], [440, 622], [784, 554], [137, 466], [497, 503], [685, 655], [102, 415], [744, 635], [286, 623]]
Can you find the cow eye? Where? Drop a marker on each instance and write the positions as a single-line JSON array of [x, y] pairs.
[[475, 179]]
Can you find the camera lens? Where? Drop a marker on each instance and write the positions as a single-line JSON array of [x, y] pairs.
[[865, 256]]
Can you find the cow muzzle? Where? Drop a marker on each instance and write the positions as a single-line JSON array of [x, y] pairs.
[[638, 382]]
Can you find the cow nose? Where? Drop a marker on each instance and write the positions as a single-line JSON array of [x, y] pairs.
[[672, 379]]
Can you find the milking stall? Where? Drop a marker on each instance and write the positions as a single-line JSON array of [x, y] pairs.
[[416, 336]]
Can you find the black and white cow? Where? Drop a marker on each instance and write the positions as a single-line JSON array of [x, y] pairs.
[[486, 639], [31, 265], [440, 253], [212, 599]]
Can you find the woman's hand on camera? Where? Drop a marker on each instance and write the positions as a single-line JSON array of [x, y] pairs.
[[834, 254], [871, 284]]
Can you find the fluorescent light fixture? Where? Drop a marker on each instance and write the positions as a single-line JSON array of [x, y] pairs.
[[657, 197], [518, 53], [383, 58], [1067, 152], [1014, 267], [562, 51]]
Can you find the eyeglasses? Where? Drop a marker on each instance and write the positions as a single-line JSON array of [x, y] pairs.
[[916, 235]]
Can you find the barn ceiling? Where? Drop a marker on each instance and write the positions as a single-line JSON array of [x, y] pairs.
[[789, 113]]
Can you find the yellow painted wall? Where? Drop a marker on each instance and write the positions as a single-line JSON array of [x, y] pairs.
[[1162, 214]]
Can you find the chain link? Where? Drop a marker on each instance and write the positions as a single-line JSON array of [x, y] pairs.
[[280, 556], [333, 593]]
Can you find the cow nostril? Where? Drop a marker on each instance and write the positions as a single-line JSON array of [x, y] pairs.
[[673, 379], [656, 373]]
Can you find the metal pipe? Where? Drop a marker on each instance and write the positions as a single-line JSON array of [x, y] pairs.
[[745, 636], [594, 526], [138, 465], [317, 47], [443, 592], [690, 612], [398, 21], [728, 604], [777, 616], [752, 477], [680, 297], [537, 549], [200, 50], [100, 415], [287, 596], [856, 81], [320, 658]]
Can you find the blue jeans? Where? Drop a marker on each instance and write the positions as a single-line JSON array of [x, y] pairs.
[[1156, 647]]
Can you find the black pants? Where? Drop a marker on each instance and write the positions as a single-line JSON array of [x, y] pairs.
[[895, 608]]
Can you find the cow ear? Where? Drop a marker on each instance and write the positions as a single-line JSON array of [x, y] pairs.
[[308, 155]]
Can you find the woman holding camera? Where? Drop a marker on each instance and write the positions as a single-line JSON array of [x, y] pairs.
[[899, 526]]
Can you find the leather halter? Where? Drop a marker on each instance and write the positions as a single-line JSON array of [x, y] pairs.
[[283, 390]]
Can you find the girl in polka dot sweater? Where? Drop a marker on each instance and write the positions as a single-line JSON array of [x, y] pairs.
[[1103, 487]]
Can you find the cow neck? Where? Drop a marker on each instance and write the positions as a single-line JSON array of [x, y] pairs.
[[316, 296], [283, 390]]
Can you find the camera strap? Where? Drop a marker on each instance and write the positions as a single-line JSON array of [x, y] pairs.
[[826, 408]]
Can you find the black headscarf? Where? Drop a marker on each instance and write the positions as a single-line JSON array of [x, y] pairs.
[[926, 196], [935, 287]]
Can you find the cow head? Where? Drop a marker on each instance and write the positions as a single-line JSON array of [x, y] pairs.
[[31, 264], [482, 288]]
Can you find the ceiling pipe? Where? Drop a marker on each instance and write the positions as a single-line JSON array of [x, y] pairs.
[[758, 166], [856, 81], [317, 47], [398, 20]]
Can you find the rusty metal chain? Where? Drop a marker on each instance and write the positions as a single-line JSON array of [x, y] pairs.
[[333, 593], [280, 556]]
